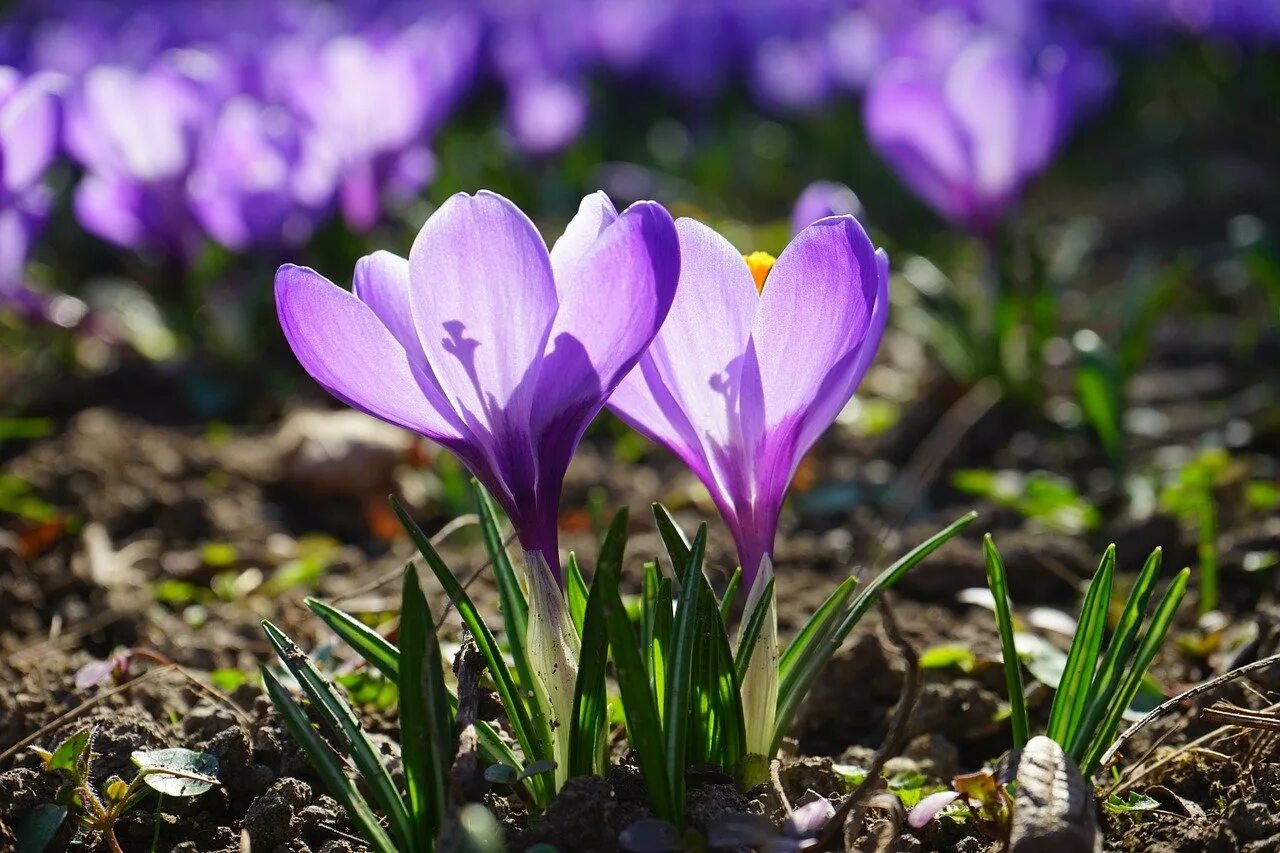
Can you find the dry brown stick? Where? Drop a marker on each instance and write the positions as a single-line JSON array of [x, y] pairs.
[[833, 832], [1198, 690], [1233, 715], [465, 781], [83, 629]]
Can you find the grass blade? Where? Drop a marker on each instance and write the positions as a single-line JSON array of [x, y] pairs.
[[730, 592], [998, 581], [586, 741], [1123, 641], [327, 766], [751, 632], [644, 727], [679, 684], [341, 721], [658, 654], [799, 677], [1161, 621], [575, 592], [376, 649], [673, 538], [426, 720], [1082, 660], [524, 714], [817, 626]]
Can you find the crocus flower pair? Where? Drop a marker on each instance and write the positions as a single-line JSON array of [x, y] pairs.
[[503, 352]]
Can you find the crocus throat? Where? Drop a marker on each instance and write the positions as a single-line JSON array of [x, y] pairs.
[[759, 263]]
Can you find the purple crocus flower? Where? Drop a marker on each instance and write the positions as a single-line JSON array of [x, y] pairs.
[[28, 142], [741, 382], [968, 135], [489, 345], [822, 199], [754, 362]]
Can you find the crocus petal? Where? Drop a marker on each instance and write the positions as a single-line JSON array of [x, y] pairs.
[[698, 356], [28, 134], [381, 281], [483, 300], [613, 299], [345, 347], [909, 123], [930, 807], [985, 90], [595, 213]]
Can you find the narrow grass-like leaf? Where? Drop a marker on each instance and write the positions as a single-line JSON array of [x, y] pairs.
[[684, 649], [799, 677], [524, 714], [1082, 660], [659, 652], [327, 766], [727, 742], [379, 653], [1157, 629], [376, 649], [1124, 639], [644, 727], [426, 720], [817, 626], [998, 581], [345, 726], [589, 702], [730, 592], [751, 631], [673, 538], [576, 594]]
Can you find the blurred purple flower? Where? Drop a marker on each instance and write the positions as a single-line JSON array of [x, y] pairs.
[[29, 119], [968, 135], [822, 199], [739, 384], [546, 114], [488, 344]]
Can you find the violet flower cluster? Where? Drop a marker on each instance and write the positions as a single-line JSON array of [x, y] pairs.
[[251, 122]]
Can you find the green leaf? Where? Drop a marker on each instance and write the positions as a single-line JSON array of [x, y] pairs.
[[376, 649], [798, 677], [1131, 802], [751, 633], [523, 712], [1161, 621], [818, 626], [586, 733], [337, 718], [644, 727], [948, 656], [730, 592], [1102, 692], [177, 772], [679, 684], [575, 592], [39, 827], [1099, 388], [327, 766], [70, 754], [998, 581], [673, 538], [1069, 702], [426, 720]]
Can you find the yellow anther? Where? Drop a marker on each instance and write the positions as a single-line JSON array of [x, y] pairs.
[[759, 263]]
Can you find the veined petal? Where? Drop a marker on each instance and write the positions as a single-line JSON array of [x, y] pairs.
[[381, 281], [483, 300], [345, 347], [815, 311], [595, 213]]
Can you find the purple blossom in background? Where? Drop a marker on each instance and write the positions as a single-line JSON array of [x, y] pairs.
[[822, 199], [29, 117], [967, 132], [739, 384], [489, 345]]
